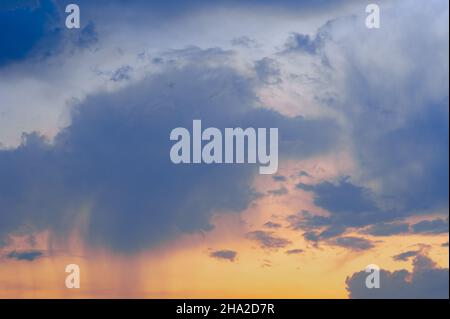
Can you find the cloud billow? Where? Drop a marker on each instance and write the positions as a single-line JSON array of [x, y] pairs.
[[426, 281], [113, 161]]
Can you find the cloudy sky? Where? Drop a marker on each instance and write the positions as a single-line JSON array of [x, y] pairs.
[[86, 177]]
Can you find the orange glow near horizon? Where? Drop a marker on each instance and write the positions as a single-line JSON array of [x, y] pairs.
[[183, 268]]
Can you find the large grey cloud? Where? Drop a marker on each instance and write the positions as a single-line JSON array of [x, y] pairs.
[[397, 129], [425, 281], [113, 159]]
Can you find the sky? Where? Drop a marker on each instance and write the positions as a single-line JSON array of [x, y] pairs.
[[86, 177]]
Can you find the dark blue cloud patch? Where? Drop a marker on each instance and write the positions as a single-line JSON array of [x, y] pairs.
[[406, 255], [224, 254], [303, 43], [272, 225], [36, 30], [387, 229], [28, 255], [349, 205], [353, 243], [279, 178], [342, 198], [426, 281], [435, 226], [26, 29]]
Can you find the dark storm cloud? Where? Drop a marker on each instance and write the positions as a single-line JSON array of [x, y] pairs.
[[113, 159], [268, 239], [425, 281], [224, 254]]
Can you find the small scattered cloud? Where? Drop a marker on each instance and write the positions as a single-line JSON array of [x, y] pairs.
[[268, 239], [279, 178], [268, 71], [224, 254], [406, 255], [28, 255], [353, 243], [303, 43], [278, 192], [245, 42], [294, 251], [122, 74], [272, 225], [304, 174]]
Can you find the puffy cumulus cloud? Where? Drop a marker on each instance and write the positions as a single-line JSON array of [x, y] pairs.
[[224, 254], [268, 239], [425, 281], [111, 165]]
